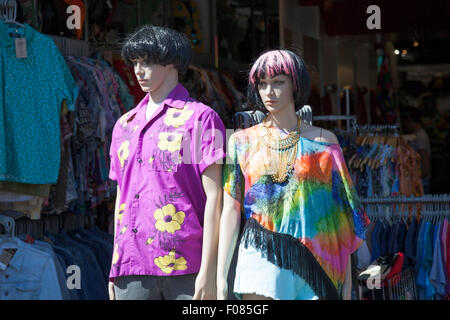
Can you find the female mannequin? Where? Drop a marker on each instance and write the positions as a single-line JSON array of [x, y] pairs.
[[303, 216]]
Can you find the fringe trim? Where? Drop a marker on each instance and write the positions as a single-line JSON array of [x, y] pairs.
[[287, 252]]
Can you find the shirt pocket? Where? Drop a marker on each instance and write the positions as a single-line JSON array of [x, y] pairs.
[[167, 155], [27, 291]]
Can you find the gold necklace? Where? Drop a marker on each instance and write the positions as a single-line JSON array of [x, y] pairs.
[[284, 150]]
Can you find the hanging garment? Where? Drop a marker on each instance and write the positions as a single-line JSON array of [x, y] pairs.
[[30, 275], [89, 249], [363, 254], [33, 105], [437, 273], [6, 196], [447, 244]]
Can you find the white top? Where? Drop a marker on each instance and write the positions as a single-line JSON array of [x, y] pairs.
[[151, 108]]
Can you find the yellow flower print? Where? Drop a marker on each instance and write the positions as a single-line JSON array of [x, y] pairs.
[[123, 152], [169, 263], [149, 241], [150, 160], [135, 128], [124, 118], [170, 141], [177, 118], [115, 255], [168, 219], [121, 211], [122, 231]]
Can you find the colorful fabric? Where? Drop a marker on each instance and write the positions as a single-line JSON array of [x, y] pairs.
[[32, 92], [312, 222], [158, 166]]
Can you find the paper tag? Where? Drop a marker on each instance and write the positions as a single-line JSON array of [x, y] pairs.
[[21, 48], [5, 257]]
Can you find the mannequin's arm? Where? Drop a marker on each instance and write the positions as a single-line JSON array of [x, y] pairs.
[[229, 231], [116, 210], [205, 285], [347, 287], [112, 295]]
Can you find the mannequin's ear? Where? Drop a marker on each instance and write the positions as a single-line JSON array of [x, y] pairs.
[[170, 66]]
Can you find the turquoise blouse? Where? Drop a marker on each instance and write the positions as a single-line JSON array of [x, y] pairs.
[[32, 91]]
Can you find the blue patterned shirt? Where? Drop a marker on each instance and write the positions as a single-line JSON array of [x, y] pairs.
[[32, 91]]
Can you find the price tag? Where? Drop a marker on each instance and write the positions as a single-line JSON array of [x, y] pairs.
[[5, 257], [21, 48]]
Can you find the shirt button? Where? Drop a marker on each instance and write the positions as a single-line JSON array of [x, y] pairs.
[[134, 230], [140, 160], [6, 293], [6, 276], [136, 196]]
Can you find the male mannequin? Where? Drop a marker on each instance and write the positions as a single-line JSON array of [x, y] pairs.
[[169, 195]]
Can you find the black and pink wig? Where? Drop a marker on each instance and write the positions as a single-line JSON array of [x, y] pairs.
[[273, 63]]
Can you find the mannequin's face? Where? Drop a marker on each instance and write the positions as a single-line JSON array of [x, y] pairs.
[[150, 76], [276, 92]]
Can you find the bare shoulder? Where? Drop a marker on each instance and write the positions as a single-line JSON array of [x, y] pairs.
[[318, 134]]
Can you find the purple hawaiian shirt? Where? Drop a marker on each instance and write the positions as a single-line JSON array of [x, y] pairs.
[[158, 166]]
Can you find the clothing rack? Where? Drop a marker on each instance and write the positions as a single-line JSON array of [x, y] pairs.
[[351, 119], [378, 128], [429, 198], [429, 207], [72, 47], [246, 119], [49, 223]]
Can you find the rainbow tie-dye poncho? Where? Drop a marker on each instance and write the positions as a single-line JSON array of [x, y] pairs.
[[309, 224]]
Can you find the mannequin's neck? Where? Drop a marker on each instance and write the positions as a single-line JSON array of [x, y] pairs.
[[286, 119], [159, 95]]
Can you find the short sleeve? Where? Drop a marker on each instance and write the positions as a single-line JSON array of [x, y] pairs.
[[233, 181], [67, 87], [347, 201], [114, 164], [212, 141]]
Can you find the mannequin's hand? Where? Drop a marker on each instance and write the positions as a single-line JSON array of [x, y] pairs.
[[222, 289], [112, 295], [205, 287]]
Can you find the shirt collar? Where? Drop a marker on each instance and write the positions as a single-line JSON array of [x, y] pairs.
[[6, 40], [177, 98], [17, 260]]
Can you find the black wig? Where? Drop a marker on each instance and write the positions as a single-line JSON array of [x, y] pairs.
[[160, 45]]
